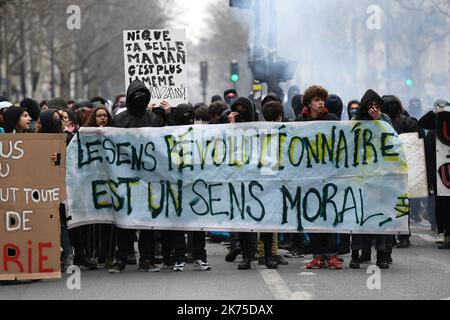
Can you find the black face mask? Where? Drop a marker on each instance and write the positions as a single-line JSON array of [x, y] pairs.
[[139, 100]]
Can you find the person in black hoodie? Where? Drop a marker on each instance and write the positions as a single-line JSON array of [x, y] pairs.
[[323, 245], [137, 116], [334, 105], [371, 104], [243, 110]]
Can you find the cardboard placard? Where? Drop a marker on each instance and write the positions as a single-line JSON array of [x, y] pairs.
[[157, 58], [32, 187]]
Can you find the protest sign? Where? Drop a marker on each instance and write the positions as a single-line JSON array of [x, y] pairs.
[[157, 58], [443, 151], [345, 177], [32, 187], [417, 169]]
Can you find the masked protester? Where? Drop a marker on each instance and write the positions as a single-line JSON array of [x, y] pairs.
[[352, 109], [243, 110], [137, 116], [371, 104], [323, 244]]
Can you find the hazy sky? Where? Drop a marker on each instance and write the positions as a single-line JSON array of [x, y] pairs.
[[191, 17]]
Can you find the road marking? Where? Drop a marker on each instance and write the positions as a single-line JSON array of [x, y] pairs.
[[306, 274], [279, 288], [426, 237]]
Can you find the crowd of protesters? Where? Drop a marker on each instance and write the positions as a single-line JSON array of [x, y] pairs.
[[107, 246]]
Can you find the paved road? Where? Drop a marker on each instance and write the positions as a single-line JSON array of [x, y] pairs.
[[420, 272]]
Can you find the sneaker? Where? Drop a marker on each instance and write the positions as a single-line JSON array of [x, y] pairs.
[[440, 238], [279, 259], [334, 263], [147, 266], [179, 266], [317, 263], [202, 265], [118, 267]]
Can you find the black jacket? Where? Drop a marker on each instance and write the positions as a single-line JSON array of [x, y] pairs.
[[428, 122], [137, 115], [324, 116]]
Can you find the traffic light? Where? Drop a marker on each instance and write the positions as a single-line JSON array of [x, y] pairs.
[[234, 71], [409, 76], [204, 71]]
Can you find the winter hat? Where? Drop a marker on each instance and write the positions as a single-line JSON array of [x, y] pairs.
[[5, 105], [334, 105], [82, 103], [32, 107], [269, 98], [11, 117], [216, 98], [57, 103]]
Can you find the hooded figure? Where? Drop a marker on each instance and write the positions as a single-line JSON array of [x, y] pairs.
[[402, 124], [352, 112], [183, 114], [334, 105], [244, 106], [48, 123], [11, 118], [363, 112], [137, 115]]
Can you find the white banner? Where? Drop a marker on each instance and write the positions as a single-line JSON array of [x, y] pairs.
[[345, 177], [417, 169], [157, 58]]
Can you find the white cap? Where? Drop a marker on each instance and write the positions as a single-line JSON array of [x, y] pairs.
[[5, 105]]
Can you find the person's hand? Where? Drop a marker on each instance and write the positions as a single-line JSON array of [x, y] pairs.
[[165, 106], [375, 113], [69, 127], [232, 117], [54, 157]]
